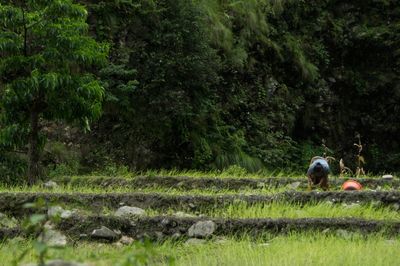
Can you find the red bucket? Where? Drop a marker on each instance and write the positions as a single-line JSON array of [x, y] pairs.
[[351, 185]]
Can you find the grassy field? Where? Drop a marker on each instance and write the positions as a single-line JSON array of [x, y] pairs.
[[282, 210], [168, 191], [296, 249], [232, 172]]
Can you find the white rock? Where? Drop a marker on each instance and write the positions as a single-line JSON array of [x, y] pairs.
[[54, 238], [7, 222], [195, 241], [129, 212], [326, 231], [202, 229], [67, 214], [176, 236], [294, 185], [49, 225], [54, 211], [50, 184], [183, 215], [351, 205], [126, 240], [387, 177]]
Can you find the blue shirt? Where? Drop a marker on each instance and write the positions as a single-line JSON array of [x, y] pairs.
[[323, 163]]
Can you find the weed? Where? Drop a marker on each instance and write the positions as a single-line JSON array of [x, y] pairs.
[[360, 159]]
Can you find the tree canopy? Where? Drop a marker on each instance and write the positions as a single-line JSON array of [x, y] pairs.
[[206, 84], [46, 53]]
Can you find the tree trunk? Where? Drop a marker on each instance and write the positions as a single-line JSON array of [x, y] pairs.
[[33, 153]]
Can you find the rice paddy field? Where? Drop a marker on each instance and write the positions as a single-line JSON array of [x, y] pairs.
[[200, 219]]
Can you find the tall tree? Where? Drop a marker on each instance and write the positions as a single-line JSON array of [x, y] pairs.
[[45, 59]]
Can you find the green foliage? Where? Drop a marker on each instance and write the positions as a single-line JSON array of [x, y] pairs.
[[35, 225], [12, 168], [207, 84], [45, 52], [60, 159], [144, 253]]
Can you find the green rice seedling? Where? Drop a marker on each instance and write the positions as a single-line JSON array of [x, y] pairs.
[[243, 210], [292, 249]]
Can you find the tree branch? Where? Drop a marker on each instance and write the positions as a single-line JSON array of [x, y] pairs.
[[25, 32]]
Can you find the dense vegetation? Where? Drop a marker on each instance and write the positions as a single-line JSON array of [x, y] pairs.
[[258, 83]]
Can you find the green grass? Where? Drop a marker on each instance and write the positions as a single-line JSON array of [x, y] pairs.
[[165, 190], [294, 249], [294, 211], [233, 172], [87, 188], [242, 210]]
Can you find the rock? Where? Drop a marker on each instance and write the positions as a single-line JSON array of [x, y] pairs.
[[118, 244], [343, 233], [165, 222], [396, 206], [50, 184], [129, 212], [7, 222], [351, 205], [202, 229], [49, 225], [176, 236], [159, 235], [126, 240], [55, 211], [67, 214], [326, 231], [195, 241], [221, 241], [183, 215], [54, 238], [58, 263], [294, 185], [191, 205], [104, 233], [387, 177]]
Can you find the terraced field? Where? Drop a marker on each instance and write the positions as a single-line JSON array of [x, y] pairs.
[[204, 221]]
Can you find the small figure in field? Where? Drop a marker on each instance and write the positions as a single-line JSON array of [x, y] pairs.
[[318, 172]]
